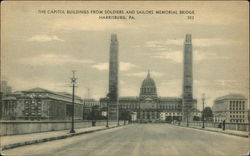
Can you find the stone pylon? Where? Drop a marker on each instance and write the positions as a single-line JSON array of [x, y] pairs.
[[113, 78], [187, 90]]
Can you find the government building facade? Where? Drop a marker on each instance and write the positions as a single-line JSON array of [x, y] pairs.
[[233, 108], [43, 104], [149, 107]]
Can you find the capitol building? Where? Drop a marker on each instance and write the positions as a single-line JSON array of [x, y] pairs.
[[149, 107]]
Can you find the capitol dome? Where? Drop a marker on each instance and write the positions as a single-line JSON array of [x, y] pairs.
[[148, 87]]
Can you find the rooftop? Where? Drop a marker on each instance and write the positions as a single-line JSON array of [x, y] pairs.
[[231, 96], [42, 90]]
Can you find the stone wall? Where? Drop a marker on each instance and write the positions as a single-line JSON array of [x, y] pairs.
[[25, 127]]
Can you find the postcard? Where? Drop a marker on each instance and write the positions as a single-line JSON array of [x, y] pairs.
[[127, 78]]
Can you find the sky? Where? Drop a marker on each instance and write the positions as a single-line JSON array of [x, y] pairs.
[[41, 50]]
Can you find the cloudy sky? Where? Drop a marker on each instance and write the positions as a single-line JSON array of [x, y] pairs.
[[40, 50]]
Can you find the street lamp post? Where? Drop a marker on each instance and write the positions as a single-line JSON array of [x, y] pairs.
[[73, 81], [107, 123], [172, 118], [117, 104], [139, 113], [203, 100], [124, 117]]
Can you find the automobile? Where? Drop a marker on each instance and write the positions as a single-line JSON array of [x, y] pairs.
[[220, 125]]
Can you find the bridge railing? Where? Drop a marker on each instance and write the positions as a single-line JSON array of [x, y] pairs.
[[230, 126], [26, 127]]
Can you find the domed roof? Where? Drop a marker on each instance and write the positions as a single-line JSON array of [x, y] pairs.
[[148, 82], [148, 87]]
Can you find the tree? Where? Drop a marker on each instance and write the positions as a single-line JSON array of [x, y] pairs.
[[124, 115], [196, 118], [95, 114], [208, 114]]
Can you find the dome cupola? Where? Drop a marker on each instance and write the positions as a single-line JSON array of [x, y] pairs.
[[148, 87]]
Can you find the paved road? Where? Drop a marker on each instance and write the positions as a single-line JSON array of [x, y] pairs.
[[142, 140]]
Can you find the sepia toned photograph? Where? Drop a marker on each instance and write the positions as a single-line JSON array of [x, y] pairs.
[[124, 78]]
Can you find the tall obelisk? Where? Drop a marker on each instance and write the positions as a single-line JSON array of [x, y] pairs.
[[113, 78], [187, 92]]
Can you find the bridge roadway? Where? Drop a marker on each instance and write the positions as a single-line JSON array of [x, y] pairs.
[[141, 140]]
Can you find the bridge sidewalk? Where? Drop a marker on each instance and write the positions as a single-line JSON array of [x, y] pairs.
[[226, 131], [13, 141]]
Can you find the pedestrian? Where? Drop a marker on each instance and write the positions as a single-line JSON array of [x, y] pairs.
[[219, 126], [223, 125]]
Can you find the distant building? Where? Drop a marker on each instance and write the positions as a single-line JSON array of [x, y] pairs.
[[5, 88], [9, 107], [196, 113], [134, 116], [90, 102], [90, 105], [233, 108], [40, 104]]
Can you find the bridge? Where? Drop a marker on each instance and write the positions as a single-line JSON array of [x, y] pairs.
[[141, 140]]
